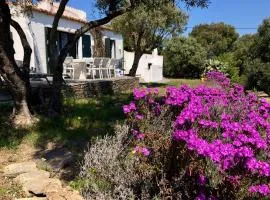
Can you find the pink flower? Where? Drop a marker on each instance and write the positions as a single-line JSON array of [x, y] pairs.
[[201, 196], [202, 180], [142, 150], [145, 151], [139, 116], [140, 136], [126, 109]]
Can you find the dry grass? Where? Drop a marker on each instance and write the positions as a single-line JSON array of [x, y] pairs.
[[9, 190], [173, 82]]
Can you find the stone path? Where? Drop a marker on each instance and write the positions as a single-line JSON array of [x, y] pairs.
[[263, 95], [38, 184]]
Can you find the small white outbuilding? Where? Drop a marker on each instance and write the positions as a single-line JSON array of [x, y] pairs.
[[150, 67]]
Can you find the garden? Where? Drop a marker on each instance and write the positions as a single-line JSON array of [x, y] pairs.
[[207, 142], [202, 133]]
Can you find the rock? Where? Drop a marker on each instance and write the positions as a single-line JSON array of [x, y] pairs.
[[59, 158], [65, 195], [16, 169], [55, 196], [38, 183]]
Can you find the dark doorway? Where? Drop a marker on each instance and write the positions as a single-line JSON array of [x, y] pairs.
[[86, 45], [63, 38], [109, 48], [73, 52]]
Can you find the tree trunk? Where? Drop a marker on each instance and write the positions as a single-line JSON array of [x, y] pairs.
[[26, 58], [137, 57], [99, 48], [56, 61], [11, 73], [55, 106]]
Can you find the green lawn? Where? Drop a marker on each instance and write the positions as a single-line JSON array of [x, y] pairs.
[[82, 120], [174, 82]]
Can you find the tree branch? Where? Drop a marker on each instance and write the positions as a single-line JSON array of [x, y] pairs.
[[90, 25], [26, 47], [53, 33]]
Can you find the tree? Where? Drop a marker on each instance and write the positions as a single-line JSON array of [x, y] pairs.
[[216, 38], [243, 51], [144, 29], [111, 8], [17, 78], [258, 75], [184, 57], [263, 42], [258, 66]]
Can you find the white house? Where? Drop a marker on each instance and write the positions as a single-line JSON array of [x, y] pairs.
[[37, 29]]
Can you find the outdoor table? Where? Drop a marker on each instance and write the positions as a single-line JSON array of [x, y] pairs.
[[79, 67]]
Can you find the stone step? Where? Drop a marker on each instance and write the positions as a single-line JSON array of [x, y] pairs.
[[16, 169]]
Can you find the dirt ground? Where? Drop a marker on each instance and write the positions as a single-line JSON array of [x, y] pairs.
[[25, 152]]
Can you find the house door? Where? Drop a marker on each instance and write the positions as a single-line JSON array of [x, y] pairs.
[[73, 52], [109, 48], [86, 45], [62, 39]]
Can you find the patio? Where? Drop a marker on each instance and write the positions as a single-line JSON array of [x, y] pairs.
[[92, 68]]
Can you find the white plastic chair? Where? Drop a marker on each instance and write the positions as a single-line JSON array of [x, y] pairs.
[[111, 67], [105, 68], [68, 69], [89, 67], [97, 72]]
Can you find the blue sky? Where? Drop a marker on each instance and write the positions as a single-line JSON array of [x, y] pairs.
[[239, 13]]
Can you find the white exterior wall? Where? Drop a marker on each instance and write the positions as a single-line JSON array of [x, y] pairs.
[[119, 52], [154, 74], [34, 29], [38, 24], [19, 53]]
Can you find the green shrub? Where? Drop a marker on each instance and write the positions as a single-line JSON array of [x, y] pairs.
[[184, 57], [258, 76]]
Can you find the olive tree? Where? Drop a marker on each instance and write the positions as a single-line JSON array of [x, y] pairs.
[[144, 29], [16, 77]]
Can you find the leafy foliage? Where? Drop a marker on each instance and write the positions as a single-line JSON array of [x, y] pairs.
[[258, 76], [263, 42], [108, 6], [183, 57], [251, 56], [145, 27], [216, 38], [243, 51]]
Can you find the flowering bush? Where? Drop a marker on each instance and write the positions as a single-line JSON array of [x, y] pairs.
[[214, 145], [214, 65]]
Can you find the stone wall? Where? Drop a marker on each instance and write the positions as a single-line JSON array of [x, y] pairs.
[[86, 89]]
